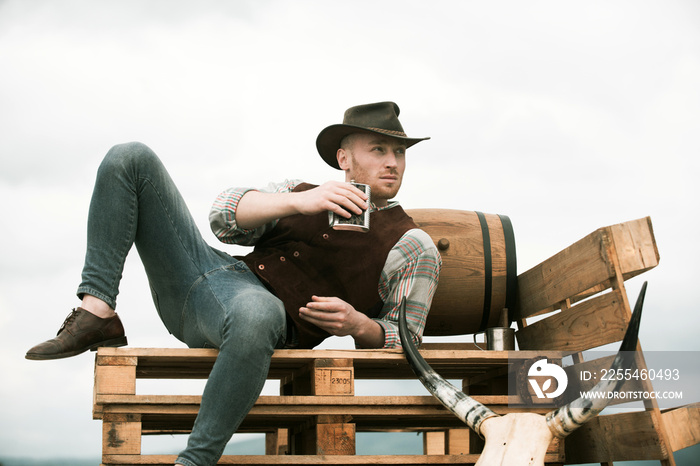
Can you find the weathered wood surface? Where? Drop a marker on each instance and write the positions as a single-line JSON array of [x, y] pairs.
[[616, 437], [585, 265], [311, 460], [186, 363], [683, 425], [367, 411], [592, 323]]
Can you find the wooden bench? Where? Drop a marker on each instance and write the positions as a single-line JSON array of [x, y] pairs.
[[315, 418]]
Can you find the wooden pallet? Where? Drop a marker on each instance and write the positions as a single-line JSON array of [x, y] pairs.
[[317, 414]]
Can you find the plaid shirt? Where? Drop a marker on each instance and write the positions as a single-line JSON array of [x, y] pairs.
[[411, 268]]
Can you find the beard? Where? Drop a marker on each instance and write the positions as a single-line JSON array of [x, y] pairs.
[[381, 191]]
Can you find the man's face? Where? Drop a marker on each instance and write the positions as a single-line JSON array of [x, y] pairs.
[[376, 160]]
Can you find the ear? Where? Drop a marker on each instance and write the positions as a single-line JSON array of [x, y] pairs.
[[343, 162]]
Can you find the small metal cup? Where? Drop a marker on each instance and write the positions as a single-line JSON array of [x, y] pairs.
[[498, 339]]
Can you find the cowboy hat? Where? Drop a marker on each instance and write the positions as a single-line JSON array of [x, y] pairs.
[[380, 117]]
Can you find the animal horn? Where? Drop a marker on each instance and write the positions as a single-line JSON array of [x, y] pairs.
[[470, 411], [564, 420]]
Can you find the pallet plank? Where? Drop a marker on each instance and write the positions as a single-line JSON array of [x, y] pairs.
[[182, 363], [574, 270], [596, 322], [615, 437], [683, 426], [338, 460], [584, 266], [636, 246]]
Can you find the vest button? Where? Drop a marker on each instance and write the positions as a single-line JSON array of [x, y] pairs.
[[282, 258], [261, 267], [296, 253]]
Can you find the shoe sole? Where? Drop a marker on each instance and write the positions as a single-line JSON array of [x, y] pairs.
[[113, 343]]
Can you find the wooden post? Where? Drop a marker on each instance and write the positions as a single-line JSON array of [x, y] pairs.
[[335, 435], [618, 286], [434, 442], [114, 375], [277, 442], [326, 435], [121, 433], [458, 441], [333, 377]]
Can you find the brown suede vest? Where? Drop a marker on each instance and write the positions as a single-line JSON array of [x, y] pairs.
[[303, 256]]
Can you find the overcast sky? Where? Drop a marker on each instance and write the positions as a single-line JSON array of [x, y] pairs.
[[565, 116]]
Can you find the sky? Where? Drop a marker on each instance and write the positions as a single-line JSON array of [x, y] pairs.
[[564, 116]]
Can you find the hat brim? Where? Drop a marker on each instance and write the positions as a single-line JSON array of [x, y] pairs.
[[328, 140]]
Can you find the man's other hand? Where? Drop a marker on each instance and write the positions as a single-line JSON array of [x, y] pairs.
[[339, 318]]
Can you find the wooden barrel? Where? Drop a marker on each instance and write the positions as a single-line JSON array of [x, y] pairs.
[[478, 277]]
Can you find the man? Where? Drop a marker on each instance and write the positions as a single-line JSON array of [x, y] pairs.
[[303, 282]]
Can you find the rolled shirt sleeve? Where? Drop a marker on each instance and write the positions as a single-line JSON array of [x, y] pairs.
[[412, 270], [222, 216]]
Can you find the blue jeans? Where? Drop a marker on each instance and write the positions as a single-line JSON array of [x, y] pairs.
[[205, 297]]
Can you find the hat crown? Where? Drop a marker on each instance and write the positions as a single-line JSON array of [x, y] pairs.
[[380, 116]]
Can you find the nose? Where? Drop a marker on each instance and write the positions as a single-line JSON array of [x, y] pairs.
[[391, 159]]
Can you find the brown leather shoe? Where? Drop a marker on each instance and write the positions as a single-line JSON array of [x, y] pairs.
[[80, 332]]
